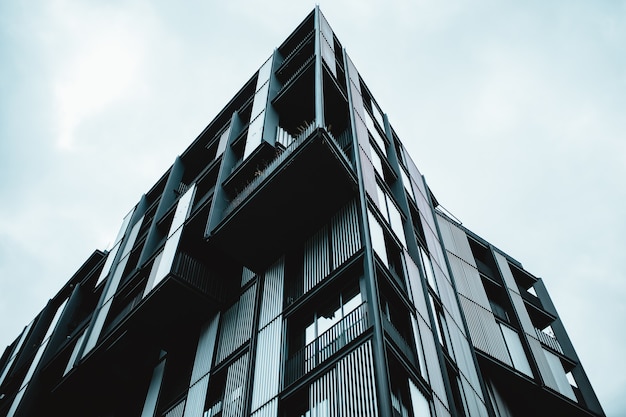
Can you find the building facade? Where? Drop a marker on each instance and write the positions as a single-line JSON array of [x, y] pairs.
[[293, 262]]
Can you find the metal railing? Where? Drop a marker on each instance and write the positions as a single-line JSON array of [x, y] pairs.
[[344, 138], [268, 170], [327, 344], [191, 271], [186, 269], [548, 340]]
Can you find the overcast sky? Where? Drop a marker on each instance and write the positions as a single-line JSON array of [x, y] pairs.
[[514, 111]]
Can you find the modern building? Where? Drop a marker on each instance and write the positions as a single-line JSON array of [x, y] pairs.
[[293, 262]]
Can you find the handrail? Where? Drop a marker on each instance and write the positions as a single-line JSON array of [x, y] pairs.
[[196, 274], [268, 169], [327, 344], [548, 340], [280, 158]]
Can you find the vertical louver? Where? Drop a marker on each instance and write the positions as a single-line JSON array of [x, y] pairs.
[[234, 394], [236, 326], [346, 235], [272, 302], [316, 259], [267, 369]]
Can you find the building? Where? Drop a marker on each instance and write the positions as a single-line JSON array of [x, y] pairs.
[[293, 261]]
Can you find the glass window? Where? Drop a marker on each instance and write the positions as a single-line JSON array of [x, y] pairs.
[[428, 269], [391, 213], [378, 238], [395, 220], [374, 132], [377, 162], [406, 181], [332, 313]]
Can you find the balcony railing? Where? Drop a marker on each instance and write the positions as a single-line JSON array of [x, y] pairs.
[[548, 341], [343, 142], [327, 344], [194, 273], [187, 270]]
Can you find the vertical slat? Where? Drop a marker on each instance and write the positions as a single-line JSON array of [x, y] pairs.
[[484, 331], [272, 302], [236, 327], [197, 397], [246, 276], [542, 363], [227, 332], [150, 404], [267, 368], [177, 411], [245, 316], [316, 259], [355, 374], [204, 351], [234, 393], [432, 362], [346, 236], [268, 410]]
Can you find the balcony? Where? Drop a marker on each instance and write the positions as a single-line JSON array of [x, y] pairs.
[[189, 290], [136, 333], [327, 344], [287, 201]]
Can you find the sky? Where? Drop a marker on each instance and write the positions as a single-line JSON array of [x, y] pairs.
[[513, 111]]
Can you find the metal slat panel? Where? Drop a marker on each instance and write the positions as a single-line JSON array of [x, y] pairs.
[[227, 332], [475, 403], [316, 259], [369, 177], [268, 410], [246, 276], [204, 352], [475, 285], [484, 331], [245, 316], [503, 264], [177, 411], [355, 385], [196, 398], [542, 363], [321, 396], [234, 393], [522, 313], [441, 408], [267, 368], [272, 302], [432, 361], [416, 287], [464, 358], [346, 236]]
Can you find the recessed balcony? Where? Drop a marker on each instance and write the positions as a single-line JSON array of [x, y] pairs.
[[289, 200]]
